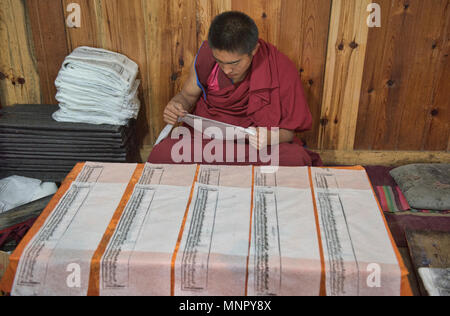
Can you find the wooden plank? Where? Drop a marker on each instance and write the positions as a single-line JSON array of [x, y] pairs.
[[383, 158], [426, 59], [344, 71], [49, 37], [206, 11], [87, 34], [23, 213], [372, 124], [413, 282], [4, 262], [366, 158], [428, 249], [266, 15], [155, 13], [19, 79], [437, 129], [403, 73], [121, 28], [172, 45], [183, 40], [303, 38]]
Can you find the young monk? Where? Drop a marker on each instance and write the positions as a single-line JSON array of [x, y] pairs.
[[239, 79]]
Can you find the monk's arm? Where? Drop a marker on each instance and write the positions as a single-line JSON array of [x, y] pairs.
[[184, 101], [266, 137], [285, 136]]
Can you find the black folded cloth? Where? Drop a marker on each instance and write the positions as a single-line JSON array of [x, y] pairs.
[[32, 143]]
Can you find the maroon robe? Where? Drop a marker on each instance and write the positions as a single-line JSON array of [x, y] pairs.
[[271, 95]]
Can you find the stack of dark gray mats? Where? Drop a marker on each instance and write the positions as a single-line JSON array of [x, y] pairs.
[[34, 145]]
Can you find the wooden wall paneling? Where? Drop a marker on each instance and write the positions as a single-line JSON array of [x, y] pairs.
[[156, 13], [183, 40], [172, 43], [344, 71], [437, 128], [403, 65], [373, 124], [50, 43], [387, 69], [266, 15], [206, 11], [425, 68], [121, 28], [19, 79], [303, 38], [87, 34]]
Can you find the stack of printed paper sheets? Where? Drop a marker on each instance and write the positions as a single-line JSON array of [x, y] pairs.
[[127, 229], [97, 86], [34, 145]]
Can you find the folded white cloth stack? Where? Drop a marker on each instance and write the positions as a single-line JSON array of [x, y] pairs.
[[97, 86]]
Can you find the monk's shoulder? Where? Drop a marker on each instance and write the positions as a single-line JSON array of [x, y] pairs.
[[286, 67], [204, 62], [204, 54]]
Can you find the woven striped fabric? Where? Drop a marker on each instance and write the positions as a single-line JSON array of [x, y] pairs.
[[392, 200]]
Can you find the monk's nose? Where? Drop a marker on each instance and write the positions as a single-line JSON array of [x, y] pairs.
[[227, 70]]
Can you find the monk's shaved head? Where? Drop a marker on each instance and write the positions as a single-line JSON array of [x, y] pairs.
[[233, 32]]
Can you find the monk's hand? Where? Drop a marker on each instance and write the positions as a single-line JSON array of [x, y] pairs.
[[173, 111], [261, 139]]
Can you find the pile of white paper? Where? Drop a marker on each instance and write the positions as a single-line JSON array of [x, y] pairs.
[[97, 86], [16, 191]]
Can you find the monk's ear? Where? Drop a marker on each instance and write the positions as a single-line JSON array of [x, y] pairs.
[[256, 49]]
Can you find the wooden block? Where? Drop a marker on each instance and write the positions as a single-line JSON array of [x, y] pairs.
[[4, 261], [23, 213], [428, 249]]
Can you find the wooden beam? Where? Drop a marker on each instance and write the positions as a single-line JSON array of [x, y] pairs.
[[382, 158], [366, 158], [343, 76]]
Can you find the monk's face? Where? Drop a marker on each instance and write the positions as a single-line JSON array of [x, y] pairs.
[[234, 65]]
